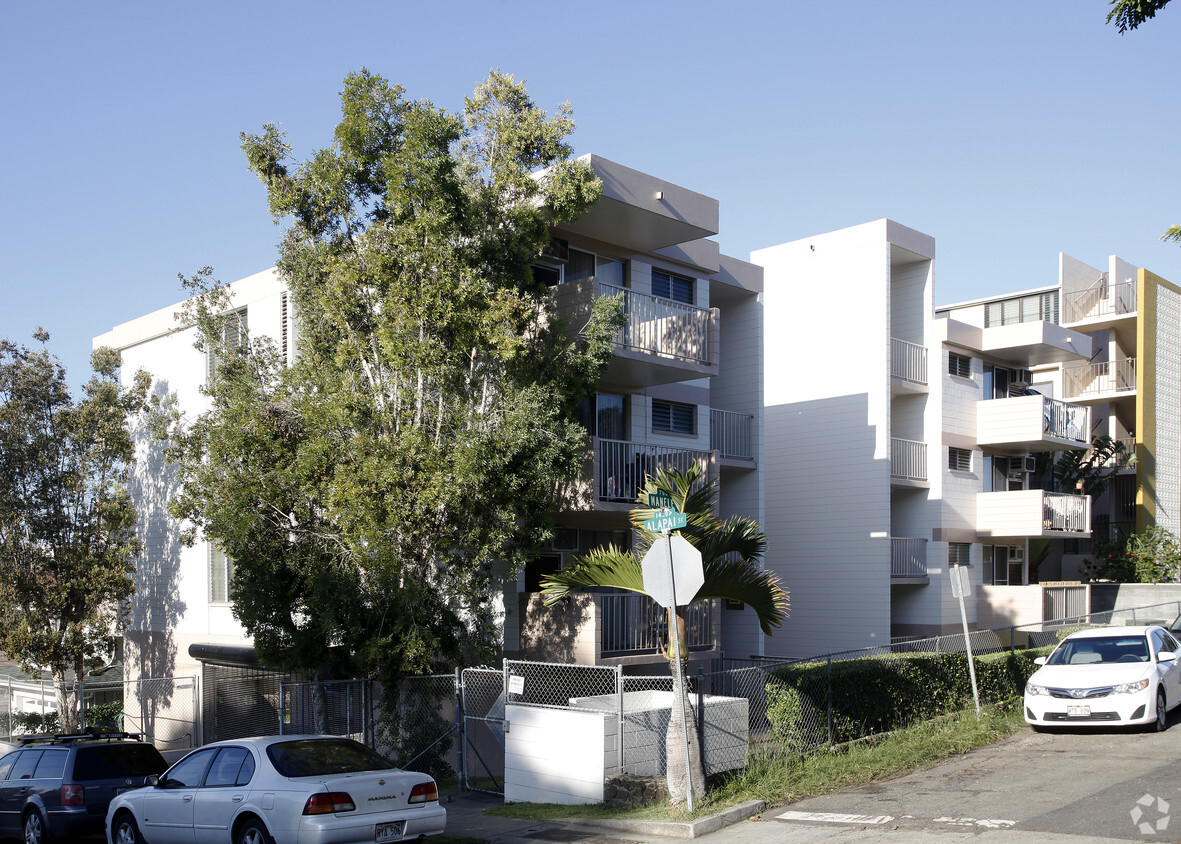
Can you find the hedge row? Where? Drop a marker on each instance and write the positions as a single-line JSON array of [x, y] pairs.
[[881, 693]]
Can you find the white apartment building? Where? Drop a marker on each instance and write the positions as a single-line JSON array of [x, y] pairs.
[[900, 444], [685, 385]]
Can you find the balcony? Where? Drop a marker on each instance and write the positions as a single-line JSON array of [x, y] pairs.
[[1100, 382], [1032, 423], [1032, 512], [663, 340], [908, 366], [1100, 305], [908, 462], [731, 435], [635, 624], [908, 560], [621, 466]]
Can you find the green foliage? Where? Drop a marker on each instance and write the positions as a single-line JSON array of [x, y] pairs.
[[105, 716], [1129, 14], [374, 492], [67, 525], [878, 694], [1151, 556], [1090, 471]]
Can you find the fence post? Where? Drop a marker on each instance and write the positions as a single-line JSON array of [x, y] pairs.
[[1013, 640], [81, 690], [619, 691], [701, 712], [282, 707], [461, 734], [828, 674]]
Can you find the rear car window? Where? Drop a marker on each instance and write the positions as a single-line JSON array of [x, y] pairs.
[[316, 757], [51, 765], [111, 761]]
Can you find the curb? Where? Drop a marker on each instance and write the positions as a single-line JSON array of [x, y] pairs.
[[675, 829]]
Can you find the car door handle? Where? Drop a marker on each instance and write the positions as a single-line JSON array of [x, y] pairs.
[[237, 798], [188, 798]]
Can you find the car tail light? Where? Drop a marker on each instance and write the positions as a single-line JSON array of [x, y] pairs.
[[329, 803], [73, 795], [424, 792]]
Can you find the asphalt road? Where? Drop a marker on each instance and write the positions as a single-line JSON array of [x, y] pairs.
[[1078, 786]]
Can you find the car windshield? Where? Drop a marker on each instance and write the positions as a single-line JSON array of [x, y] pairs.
[[317, 757], [1100, 649], [117, 761]]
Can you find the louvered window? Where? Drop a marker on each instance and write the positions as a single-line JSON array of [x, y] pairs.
[[221, 572], [959, 459], [674, 418], [675, 287], [959, 365], [232, 332], [959, 553]]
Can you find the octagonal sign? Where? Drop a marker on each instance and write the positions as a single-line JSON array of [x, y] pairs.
[[676, 584]]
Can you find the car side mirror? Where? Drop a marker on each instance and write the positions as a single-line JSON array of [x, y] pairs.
[[152, 779], [1039, 660], [1166, 656]]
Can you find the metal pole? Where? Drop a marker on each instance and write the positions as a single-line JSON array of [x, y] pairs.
[[675, 633], [461, 774], [968, 648], [622, 743], [282, 706]]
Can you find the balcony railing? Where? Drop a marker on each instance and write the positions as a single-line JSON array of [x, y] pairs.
[[624, 464], [1032, 512], [637, 624], [908, 557], [908, 361], [730, 433], [662, 326], [1066, 512], [1101, 300], [1087, 379], [908, 459], [1064, 420]]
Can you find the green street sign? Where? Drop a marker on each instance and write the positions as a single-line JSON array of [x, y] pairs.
[[672, 521], [658, 500]]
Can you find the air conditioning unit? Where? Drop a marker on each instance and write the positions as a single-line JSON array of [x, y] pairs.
[[1030, 464], [1021, 377]]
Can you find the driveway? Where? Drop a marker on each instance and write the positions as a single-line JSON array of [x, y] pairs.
[[1111, 785]]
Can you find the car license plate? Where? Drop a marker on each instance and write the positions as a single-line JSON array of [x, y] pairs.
[[1078, 711], [391, 831]]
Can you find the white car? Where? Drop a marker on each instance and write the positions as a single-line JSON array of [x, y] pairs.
[[1106, 675], [287, 789]]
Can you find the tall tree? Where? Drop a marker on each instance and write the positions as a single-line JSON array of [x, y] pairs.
[[373, 492], [730, 554], [1129, 14], [67, 525]]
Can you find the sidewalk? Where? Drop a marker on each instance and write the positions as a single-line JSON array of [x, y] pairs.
[[466, 818]]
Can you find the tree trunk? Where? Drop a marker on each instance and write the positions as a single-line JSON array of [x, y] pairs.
[[67, 701], [676, 776]]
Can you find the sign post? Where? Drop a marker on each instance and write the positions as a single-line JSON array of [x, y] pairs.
[[960, 587], [673, 574]]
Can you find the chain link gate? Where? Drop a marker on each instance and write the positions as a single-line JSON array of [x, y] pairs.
[[482, 746]]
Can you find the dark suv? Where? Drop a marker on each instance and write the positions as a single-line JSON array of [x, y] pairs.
[[58, 787]]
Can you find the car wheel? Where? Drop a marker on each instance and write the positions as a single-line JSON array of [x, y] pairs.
[[125, 831], [252, 831], [35, 828], [1162, 712]]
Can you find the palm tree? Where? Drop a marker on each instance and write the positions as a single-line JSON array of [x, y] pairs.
[[730, 554]]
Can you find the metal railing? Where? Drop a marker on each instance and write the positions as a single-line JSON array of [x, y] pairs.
[[1100, 300], [623, 465], [635, 623], [908, 459], [908, 557], [1087, 379], [663, 326], [908, 361], [1064, 420], [730, 433], [1066, 512]]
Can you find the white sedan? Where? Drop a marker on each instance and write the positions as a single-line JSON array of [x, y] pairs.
[[298, 789], [1106, 675]]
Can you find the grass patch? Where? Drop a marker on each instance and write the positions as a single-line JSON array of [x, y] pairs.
[[785, 778]]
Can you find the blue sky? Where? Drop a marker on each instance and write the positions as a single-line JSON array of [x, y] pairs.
[[1008, 130]]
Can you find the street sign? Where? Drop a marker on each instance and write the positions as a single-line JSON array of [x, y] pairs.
[[674, 584], [961, 586], [660, 500], [670, 521]]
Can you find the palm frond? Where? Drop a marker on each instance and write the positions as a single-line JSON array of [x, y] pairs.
[[607, 566], [737, 580]]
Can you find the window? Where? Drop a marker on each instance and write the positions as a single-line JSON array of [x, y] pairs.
[[232, 334], [1033, 308], [227, 767], [675, 287], [674, 417], [286, 329], [959, 553], [221, 572], [959, 459], [604, 416], [959, 365], [1004, 565], [52, 765], [190, 771]]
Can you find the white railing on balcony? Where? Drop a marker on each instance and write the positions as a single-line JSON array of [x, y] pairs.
[[908, 557], [1064, 420], [908, 361], [1087, 379], [636, 624], [730, 433], [1065, 512], [623, 465], [908, 459], [662, 326], [1100, 300]]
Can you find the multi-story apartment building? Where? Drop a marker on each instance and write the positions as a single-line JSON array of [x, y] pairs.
[[684, 385], [900, 444]]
